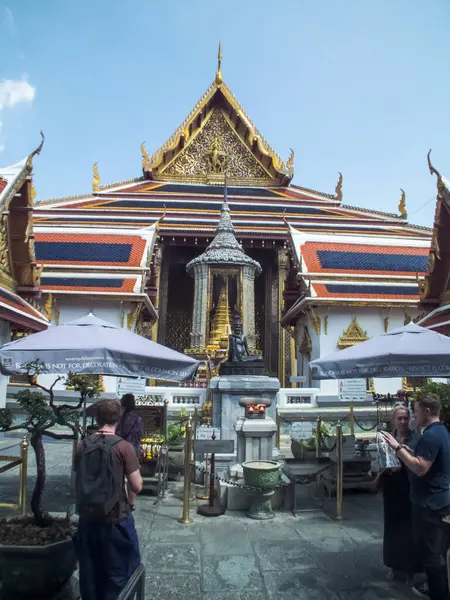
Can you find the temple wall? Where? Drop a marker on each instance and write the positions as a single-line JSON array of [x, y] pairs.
[[370, 319]]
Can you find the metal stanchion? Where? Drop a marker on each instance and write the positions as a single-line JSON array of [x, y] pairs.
[[278, 428], [185, 518], [352, 420], [339, 470], [318, 436], [23, 476]]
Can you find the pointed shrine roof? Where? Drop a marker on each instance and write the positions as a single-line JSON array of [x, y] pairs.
[[225, 249]]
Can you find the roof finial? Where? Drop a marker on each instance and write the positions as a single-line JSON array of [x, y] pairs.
[[290, 164], [402, 205], [29, 162], [219, 79], [145, 158], [433, 171], [338, 189], [96, 179]]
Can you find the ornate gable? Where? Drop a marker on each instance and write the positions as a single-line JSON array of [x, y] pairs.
[[216, 136], [216, 149], [352, 335]]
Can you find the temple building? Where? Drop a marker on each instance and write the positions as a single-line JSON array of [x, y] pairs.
[[316, 274], [435, 289], [19, 272]]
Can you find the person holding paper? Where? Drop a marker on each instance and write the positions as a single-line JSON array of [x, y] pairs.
[[399, 551], [429, 465]]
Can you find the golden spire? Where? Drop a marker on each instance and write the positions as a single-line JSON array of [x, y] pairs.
[[221, 327], [402, 205], [145, 158], [96, 179], [338, 189], [219, 79]]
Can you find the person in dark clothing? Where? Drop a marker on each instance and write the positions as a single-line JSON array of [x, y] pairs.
[[131, 429], [108, 548], [399, 551], [429, 465]]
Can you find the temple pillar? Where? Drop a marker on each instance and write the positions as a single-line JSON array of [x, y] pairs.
[[248, 309], [283, 269], [200, 313], [163, 295]]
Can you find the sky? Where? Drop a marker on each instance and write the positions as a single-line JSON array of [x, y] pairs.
[[357, 86]]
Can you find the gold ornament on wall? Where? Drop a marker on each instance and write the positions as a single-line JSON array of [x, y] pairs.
[[4, 245], [352, 335], [48, 308]]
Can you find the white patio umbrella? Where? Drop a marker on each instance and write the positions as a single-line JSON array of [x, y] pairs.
[[411, 351], [92, 346]]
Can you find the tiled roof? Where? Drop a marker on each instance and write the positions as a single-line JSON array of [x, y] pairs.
[[18, 305], [87, 284], [364, 259], [92, 249], [3, 184], [358, 290]]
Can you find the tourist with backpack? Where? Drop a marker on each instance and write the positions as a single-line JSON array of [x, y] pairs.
[[106, 540], [131, 429]]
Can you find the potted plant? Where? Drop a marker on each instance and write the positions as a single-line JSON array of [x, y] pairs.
[[175, 437], [36, 551], [305, 448]]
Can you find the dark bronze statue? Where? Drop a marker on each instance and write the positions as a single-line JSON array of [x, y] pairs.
[[238, 351]]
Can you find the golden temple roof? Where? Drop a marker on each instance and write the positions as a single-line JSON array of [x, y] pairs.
[[218, 107]]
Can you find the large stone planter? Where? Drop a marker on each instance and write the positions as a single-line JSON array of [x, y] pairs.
[[36, 572], [176, 458], [302, 452], [262, 476]]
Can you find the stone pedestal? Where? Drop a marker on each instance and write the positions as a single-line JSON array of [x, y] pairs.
[[255, 439], [227, 390]]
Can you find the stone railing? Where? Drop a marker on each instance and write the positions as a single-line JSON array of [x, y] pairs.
[[178, 397], [297, 397]]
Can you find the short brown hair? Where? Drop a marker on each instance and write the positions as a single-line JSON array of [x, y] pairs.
[[430, 401], [128, 402], [108, 412]]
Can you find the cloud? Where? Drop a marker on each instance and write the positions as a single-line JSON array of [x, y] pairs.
[[8, 22], [13, 92]]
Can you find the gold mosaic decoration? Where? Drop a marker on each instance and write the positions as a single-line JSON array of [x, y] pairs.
[[214, 150], [352, 335]]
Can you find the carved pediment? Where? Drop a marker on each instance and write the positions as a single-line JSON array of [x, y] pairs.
[[352, 335], [215, 149]]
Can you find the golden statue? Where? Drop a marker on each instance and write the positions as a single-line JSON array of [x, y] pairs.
[[402, 205], [216, 158]]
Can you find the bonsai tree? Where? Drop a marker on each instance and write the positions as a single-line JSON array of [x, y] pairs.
[[41, 414]]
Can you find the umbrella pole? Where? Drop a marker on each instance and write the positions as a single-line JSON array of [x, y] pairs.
[[84, 416]]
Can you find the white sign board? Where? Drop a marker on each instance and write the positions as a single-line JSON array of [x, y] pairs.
[[129, 385], [302, 430], [352, 390], [206, 433]]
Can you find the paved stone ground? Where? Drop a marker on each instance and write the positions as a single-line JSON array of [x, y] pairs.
[[234, 558]]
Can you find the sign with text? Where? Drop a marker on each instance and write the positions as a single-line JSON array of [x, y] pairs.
[[207, 433], [213, 446], [153, 418], [352, 390], [130, 385], [302, 430]]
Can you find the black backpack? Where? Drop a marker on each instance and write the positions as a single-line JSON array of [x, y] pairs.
[[99, 481]]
